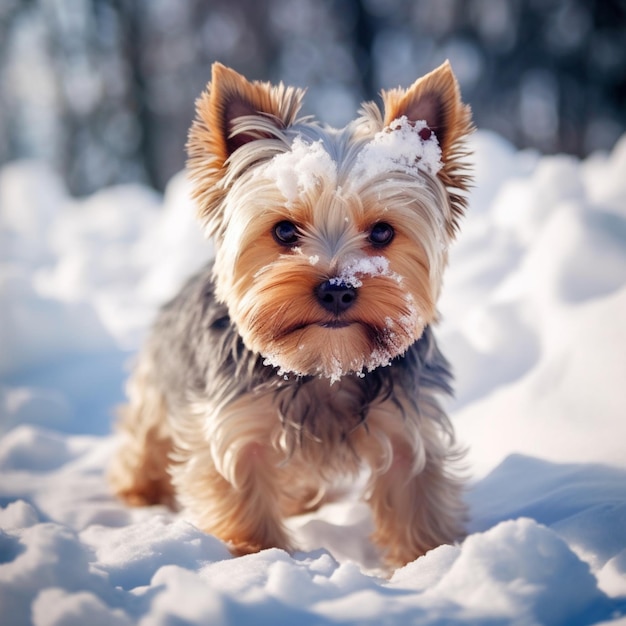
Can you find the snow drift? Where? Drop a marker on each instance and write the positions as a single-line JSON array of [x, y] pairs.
[[533, 314]]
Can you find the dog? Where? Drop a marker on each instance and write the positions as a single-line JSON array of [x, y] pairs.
[[304, 353]]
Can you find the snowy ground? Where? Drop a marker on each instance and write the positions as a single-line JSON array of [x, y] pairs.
[[534, 321]]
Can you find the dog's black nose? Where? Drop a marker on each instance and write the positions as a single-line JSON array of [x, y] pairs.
[[336, 297]]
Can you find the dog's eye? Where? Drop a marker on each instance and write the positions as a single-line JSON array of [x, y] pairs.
[[381, 234], [286, 233]]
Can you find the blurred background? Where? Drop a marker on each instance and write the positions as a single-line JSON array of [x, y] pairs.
[[103, 90]]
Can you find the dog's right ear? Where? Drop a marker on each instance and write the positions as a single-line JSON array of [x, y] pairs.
[[231, 113], [436, 99]]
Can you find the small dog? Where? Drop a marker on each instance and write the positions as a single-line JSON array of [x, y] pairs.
[[304, 353]]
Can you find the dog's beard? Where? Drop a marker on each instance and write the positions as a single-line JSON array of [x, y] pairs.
[[280, 319], [333, 351]]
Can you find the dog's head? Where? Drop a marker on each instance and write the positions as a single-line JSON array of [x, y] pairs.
[[330, 244]]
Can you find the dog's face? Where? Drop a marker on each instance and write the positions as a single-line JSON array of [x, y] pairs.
[[330, 244]]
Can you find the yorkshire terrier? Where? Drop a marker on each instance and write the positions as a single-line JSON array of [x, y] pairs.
[[304, 353]]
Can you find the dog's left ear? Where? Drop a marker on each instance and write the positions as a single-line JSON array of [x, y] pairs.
[[231, 113], [436, 99]]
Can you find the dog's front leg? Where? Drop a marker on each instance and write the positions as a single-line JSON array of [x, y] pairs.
[[229, 480], [415, 497]]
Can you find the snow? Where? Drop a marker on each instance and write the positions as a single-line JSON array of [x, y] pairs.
[[532, 319], [298, 171], [364, 266], [403, 145]]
